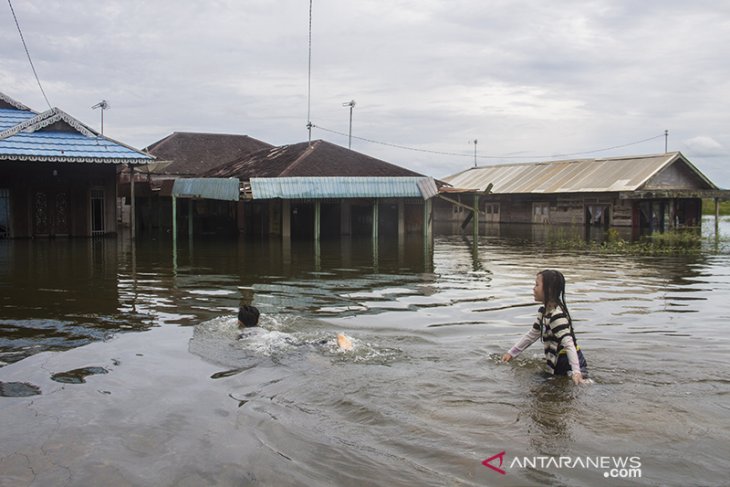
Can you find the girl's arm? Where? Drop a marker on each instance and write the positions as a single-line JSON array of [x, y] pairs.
[[528, 339], [569, 347]]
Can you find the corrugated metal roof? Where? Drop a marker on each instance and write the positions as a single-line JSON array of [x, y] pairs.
[[343, 187], [11, 117], [56, 136], [226, 189], [575, 176]]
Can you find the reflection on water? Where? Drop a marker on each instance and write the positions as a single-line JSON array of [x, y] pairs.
[[421, 399]]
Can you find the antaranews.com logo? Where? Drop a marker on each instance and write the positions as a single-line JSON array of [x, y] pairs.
[[620, 467]]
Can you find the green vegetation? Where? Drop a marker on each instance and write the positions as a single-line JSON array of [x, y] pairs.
[[675, 242], [708, 207]]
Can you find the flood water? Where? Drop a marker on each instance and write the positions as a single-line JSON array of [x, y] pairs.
[[122, 364]]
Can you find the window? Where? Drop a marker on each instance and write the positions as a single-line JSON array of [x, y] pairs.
[[97, 212]]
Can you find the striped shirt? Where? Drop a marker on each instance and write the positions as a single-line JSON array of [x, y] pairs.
[[557, 338]]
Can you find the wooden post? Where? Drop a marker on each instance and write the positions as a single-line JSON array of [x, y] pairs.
[[475, 220], [174, 235], [317, 219], [131, 197], [717, 219], [375, 220], [401, 219], [174, 220], [427, 220]]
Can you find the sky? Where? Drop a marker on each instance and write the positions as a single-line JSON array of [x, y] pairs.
[[529, 80]]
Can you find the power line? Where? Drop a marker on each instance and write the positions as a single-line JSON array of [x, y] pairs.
[[28, 54], [460, 154]]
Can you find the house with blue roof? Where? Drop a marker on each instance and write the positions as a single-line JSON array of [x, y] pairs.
[[57, 175]]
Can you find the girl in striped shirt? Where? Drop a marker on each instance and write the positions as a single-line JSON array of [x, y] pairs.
[[555, 328]]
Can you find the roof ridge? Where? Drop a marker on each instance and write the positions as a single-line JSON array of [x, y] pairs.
[[43, 120], [14, 102], [299, 160]]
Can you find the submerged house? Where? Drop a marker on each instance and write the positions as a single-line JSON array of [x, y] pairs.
[[645, 193], [183, 155], [319, 189], [58, 177]]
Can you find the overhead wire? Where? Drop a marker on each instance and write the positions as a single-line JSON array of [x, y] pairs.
[[461, 154], [27, 52]]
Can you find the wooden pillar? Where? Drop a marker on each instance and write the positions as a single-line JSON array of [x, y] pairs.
[[475, 219], [174, 220], [427, 223], [174, 235], [717, 218], [427, 258], [375, 219], [401, 219], [131, 197], [317, 219]]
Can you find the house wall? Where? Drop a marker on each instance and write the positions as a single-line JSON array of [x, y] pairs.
[[674, 177], [54, 199], [561, 209]]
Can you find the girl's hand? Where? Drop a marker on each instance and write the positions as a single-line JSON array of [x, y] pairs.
[[577, 378], [506, 357]]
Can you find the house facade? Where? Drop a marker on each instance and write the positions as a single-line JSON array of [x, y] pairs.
[[642, 193], [177, 156], [320, 190], [58, 177]]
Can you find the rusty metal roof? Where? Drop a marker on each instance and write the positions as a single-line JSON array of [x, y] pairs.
[[573, 176]]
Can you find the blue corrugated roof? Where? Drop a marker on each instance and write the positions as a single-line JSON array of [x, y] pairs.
[[65, 144], [12, 117], [28, 136], [343, 187], [227, 189]]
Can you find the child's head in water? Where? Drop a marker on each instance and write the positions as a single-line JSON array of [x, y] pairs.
[[248, 316]]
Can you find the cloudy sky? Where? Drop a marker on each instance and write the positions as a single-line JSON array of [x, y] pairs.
[[529, 80]]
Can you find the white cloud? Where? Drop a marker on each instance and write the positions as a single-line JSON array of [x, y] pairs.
[[704, 146], [523, 77]]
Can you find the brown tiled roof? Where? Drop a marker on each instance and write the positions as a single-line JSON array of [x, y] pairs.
[[193, 153], [320, 159]]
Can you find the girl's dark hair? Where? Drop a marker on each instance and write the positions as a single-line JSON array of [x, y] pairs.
[[553, 287]]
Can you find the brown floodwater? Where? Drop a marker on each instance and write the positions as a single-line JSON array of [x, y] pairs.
[[122, 364]]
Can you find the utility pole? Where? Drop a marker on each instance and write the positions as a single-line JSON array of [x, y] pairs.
[[350, 104], [104, 105], [666, 140], [475, 152]]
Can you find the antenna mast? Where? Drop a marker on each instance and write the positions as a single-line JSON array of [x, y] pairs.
[[350, 104], [104, 105], [309, 77]]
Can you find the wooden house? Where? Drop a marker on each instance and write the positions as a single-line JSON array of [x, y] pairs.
[[644, 193], [57, 175], [184, 155], [319, 189]]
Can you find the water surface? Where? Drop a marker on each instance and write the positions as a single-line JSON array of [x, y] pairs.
[[157, 388]]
